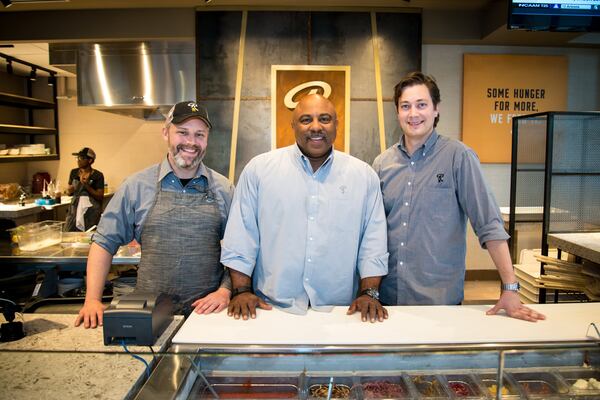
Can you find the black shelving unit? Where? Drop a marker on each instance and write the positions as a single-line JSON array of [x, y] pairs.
[[556, 167], [25, 100]]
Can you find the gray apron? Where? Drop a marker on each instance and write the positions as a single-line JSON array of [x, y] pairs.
[[180, 247]]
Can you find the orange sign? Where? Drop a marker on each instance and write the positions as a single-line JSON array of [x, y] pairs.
[[497, 88], [289, 83]]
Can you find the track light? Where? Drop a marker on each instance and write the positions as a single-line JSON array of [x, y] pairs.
[[6, 3], [33, 75], [51, 80], [9, 67]]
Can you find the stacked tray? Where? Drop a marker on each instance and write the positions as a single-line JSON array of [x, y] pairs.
[[436, 385]]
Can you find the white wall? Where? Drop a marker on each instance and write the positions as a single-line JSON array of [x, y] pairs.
[[123, 145], [445, 63]]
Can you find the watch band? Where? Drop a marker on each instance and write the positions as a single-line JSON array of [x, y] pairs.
[[240, 290], [510, 287], [371, 292]]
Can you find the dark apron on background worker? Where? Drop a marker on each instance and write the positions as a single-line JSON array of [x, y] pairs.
[[91, 215], [181, 247]]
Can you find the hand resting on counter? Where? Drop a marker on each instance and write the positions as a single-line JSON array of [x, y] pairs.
[[91, 314], [370, 309], [213, 302], [510, 302], [244, 305]]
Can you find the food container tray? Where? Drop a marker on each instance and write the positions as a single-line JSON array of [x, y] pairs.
[[251, 388], [382, 387], [572, 376], [430, 387], [317, 387], [37, 235], [509, 388], [465, 386], [540, 385]]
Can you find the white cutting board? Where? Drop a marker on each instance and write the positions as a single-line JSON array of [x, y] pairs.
[[405, 325]]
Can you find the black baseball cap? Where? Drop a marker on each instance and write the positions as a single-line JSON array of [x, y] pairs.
[[186, 110], [86, 152]]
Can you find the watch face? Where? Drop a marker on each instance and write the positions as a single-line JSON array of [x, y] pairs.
[[374, 293]]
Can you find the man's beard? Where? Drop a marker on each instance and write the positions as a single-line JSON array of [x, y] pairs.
[[182, 162]]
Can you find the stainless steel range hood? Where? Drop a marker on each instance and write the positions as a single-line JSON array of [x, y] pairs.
[[141, 80]]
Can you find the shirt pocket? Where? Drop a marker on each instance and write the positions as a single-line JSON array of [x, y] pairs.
[[342, 214], [439, 204]]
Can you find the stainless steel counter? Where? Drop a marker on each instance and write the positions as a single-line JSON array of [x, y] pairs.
[[64, 253]]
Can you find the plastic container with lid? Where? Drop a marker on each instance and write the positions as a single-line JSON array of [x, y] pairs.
[[37, 235]]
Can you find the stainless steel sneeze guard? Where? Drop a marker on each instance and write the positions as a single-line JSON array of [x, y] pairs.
[[192, 371]]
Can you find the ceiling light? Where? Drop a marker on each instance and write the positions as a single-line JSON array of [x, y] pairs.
[[33, 75], [9, 67], [6, 3]]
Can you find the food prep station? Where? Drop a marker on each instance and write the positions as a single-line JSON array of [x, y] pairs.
[[428, 352]]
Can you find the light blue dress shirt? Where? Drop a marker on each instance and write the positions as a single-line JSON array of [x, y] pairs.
[[306, 238], [124, 216]]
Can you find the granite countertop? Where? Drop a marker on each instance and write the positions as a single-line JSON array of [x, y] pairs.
[[57, 361]]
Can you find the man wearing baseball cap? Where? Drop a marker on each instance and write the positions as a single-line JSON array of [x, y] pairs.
[[176, 210], [86, 185]]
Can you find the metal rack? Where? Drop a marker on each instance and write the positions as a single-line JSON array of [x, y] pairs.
[[556, 167], [26, 100]]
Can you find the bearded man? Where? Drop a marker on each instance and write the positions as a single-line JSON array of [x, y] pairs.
[[177, 211]]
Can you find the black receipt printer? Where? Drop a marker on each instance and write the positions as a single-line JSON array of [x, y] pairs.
[[138, 318]]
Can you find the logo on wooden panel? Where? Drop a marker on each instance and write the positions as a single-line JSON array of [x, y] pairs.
[[497, 88], [289, 83]]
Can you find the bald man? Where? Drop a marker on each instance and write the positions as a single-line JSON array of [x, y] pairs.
[[307, 226]]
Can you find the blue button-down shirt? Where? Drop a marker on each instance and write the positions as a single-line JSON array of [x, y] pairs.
[[306, 237], [428, 196], [124, 216]]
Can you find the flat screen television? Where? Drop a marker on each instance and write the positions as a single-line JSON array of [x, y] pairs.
[[554, 15]]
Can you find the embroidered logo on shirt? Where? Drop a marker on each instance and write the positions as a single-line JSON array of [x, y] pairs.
[[440, 178], [343, 188]]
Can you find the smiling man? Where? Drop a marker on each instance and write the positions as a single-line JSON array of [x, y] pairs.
[[431, 185], [177, 211], [307, 227]]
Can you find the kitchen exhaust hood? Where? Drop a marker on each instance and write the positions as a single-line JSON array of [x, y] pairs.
[[142, 80]]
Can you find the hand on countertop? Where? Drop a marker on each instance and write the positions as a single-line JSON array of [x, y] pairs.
[[510, 302], [213, 302], [91, 314], [370, 309], [244, 305]]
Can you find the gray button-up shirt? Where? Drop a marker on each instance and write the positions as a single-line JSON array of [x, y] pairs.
[[124, 216], [427, 198]]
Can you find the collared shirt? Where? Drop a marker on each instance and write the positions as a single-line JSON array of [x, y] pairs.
[[124, 216], [428, 197], [306, 237]]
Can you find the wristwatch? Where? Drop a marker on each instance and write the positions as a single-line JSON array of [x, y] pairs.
[[240, 290], [371, 292], [510, 287]]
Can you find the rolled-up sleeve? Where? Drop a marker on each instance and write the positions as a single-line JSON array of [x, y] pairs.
[[242, 238], [116, 226], [373, 254], [478, 201]]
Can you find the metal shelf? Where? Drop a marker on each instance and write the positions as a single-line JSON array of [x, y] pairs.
[[14, 100]]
